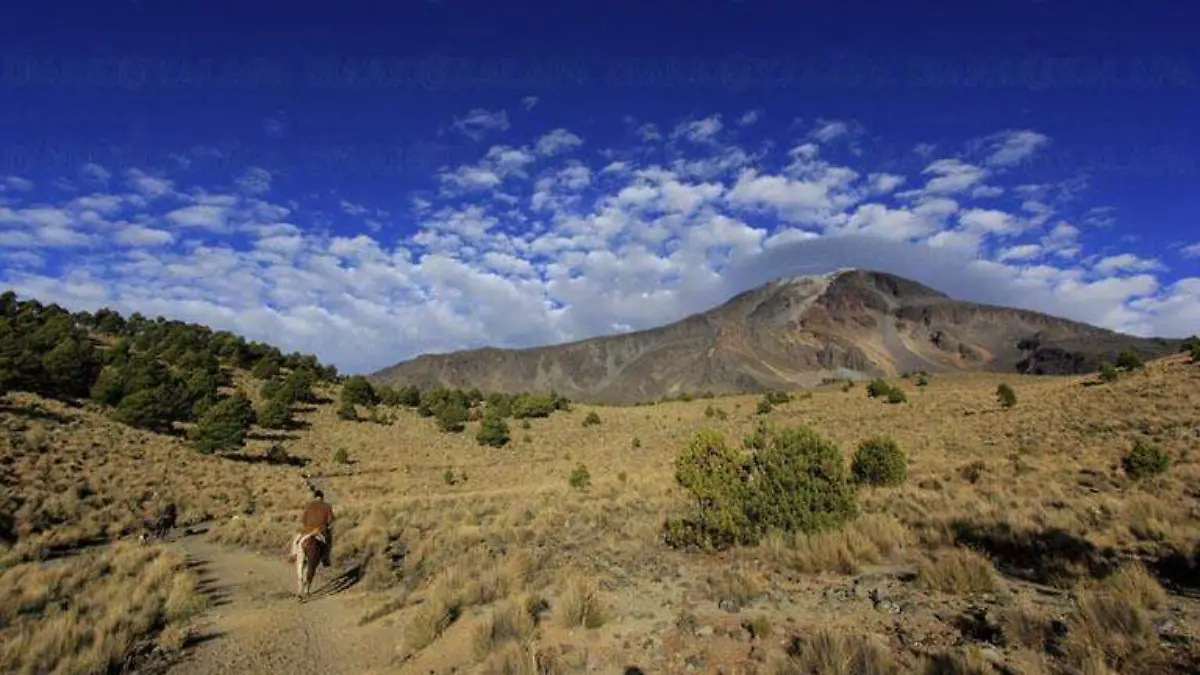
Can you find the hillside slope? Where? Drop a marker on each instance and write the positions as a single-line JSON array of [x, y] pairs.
[[788, 333]]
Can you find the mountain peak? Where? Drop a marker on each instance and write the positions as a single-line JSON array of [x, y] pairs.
[[795, 331]]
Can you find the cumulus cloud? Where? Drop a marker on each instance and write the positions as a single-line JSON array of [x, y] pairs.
[[531, 244], [1192, 251], [529, 102]]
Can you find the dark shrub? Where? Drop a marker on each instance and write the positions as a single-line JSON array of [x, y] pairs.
[[879, 461], [1006, 395], [1145, 460], [493, 431]]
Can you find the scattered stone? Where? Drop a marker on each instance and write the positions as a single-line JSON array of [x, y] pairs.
[[729, 606], [705, 631]]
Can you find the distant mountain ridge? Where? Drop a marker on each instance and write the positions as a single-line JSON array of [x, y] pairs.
[[788, 333]]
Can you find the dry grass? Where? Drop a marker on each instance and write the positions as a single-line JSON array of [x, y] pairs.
[[838, 652], [88, 614], [581, 604], [958, 571], [1047, 502]]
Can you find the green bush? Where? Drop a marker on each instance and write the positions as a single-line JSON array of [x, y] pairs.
[[267, 368], [533, 405], [592, 419], [224, 425], [297, 386], [1145, 460], [878, 389], [341, 457], [1196, 351], [635, 443], [1107, 373], [896, 395], [764, 407], [452, 418], [145, 409], [1006, 395], [1129, 359], [347, 411], [359, 391], [790, 480], [922, 380], [493, 431], [580, 478], [879, 461], [275, 414], [777, 397]]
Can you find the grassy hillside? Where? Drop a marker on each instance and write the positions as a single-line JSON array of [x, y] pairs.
[[1019, 539]]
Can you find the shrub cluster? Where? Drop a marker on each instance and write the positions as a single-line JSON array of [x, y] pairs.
[[790, 479], [453, 408]]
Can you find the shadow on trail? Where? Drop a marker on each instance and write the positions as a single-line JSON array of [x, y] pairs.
[[344, 581]]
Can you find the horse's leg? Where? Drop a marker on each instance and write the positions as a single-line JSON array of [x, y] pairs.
[[300, 565]]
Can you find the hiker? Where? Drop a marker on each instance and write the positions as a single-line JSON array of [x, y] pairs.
[[318, 518]]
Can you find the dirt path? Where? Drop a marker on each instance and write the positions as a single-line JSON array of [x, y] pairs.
[[258, 625]]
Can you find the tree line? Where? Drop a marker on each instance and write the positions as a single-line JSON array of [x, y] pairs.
[[150, 373]]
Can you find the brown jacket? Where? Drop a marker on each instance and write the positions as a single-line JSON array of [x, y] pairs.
[[318, 516]]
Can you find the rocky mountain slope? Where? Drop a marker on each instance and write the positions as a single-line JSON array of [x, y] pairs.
[[792, 332]]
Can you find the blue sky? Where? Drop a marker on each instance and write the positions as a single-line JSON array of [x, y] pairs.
[[369, 181]]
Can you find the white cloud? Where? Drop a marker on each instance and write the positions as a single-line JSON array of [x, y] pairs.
[[952, 176], [1192, 251], [18, 183], [1013, 147], [352, 209], [95, 173], [255, 181], [699, 131], [203, 216], [986, 191], [883, 183], [750, 117], [137, 235], [1021, 252], [529, 102], [1125, 262], [828, 131], [478, 122], [147, 185], [558, 140], [525, 246]]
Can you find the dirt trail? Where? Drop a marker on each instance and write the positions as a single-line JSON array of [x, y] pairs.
[[257, 624]]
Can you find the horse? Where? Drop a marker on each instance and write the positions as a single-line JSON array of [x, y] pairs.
[[161, 526], [306, 554]]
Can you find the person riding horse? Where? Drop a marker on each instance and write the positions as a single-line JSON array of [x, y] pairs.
[[158, 526], [318, 517]]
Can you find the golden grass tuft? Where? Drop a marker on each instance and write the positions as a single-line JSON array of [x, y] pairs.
[[958, 571], [581, 605], [838, 652]]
